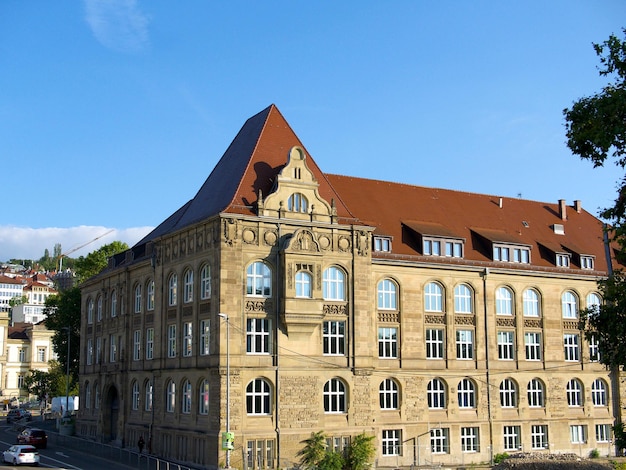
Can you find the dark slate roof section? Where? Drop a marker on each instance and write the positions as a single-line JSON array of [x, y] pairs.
[[166, 226]]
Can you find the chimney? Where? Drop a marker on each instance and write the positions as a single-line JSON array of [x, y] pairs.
[[562, 209], [500, 203], [578, 205]]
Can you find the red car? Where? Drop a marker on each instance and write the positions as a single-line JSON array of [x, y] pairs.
[[33, 436]]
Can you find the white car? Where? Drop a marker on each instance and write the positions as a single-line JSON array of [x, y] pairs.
[[20, 454]]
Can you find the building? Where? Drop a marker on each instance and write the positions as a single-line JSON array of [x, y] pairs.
[[11, 287], [28, 347], [282, 301], [37, 289]]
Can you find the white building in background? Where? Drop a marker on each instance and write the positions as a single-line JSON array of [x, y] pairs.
[[10, 287], [32, 311]]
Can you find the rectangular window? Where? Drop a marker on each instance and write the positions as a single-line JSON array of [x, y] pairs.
[[464, 344], [539, 436], [149, 343], [334, 338], [532, 344], [98, 350], [382, 244], [562, 260], [204, 337], [586, 262], [22, 355], [439, 441], [506, 346], [171, 341], [258, 336], [89, 351], [41, 354], [594, 349], [112, 348], [20, 381], [434, 344], [469, 440], [391, 442], [512, 438], [570, 344], [136, 345], [260, 454], [387, 343], [603, 432], [187, 339], [578, 434]]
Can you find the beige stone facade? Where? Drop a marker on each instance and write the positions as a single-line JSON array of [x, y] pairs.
[[443, 359]]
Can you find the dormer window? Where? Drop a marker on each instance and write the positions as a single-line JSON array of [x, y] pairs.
[[511, 253], [586, 262], [563, 260], [382, 244], [297, 202], [442, 247]]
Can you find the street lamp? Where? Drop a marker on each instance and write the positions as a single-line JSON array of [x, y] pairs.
[[67, 379], [227, 439]]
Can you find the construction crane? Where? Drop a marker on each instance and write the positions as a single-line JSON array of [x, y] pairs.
[[79, 247]]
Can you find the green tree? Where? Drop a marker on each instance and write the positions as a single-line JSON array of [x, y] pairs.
[[38, 383], [314, 450], [596, 125], [63, 312], [96, 261], [596, 130], [361, 452]]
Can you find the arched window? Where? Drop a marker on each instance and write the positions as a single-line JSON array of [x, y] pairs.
[[466, 392], [335, 396], [574, 393], [387, 295], [593, 302], [504, 301], [333, 284], [531, 303], [135, 395], [569, 304], [303, 284], [463, 299], [172, 290], [90, 311], [433, 297], [259, 280], [258, 397], [138, 298], [87, 395], [598, 392], [203, 408], [436, 391], [113, 304], [297, 202], [185, 405], [388, 394], [148, 393], [205, 282], [508, 394], [188, 286], [170, 397], [150, 296], [536, 398], [99, 308]]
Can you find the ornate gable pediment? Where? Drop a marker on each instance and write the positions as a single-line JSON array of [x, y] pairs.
[[296, 193]]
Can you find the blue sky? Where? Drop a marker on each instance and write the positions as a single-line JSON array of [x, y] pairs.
[[114, 112]]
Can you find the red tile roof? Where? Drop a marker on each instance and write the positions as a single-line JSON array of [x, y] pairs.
[[404, 212]]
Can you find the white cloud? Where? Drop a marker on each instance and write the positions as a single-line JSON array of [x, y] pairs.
[[118, 24], [31, 243]]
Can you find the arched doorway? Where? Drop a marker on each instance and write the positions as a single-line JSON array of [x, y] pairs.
[[110, 414]]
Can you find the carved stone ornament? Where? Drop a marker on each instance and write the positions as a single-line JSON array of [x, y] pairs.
[[363, 243], [270, 237], [305, 241], [324, 242], [259, 305], [509, 322], [335, 309], [230, 231], [249, 236], [435, 319], [469, 320], [532, 323], [344, 244]]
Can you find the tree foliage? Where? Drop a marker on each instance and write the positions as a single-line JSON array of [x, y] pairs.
[[596, 125], [316, 456], [596, 130], [96, 261]]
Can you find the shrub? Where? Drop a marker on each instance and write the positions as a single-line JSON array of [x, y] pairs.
[[500, 457], [594, 454]]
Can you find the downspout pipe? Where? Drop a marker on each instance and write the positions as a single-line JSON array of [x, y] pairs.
[[487, 378]]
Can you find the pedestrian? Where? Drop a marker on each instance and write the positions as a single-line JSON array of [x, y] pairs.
[[140, 444]]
